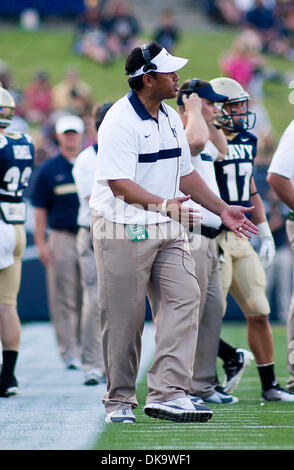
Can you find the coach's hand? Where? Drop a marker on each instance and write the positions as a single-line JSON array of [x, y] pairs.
[[185, 215], [234, 218]]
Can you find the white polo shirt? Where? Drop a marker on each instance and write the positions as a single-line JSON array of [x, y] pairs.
[[83, 173], [283, 160], [203, 163], [135, 146]]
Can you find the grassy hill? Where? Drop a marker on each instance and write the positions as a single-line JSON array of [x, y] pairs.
[[25, 52]]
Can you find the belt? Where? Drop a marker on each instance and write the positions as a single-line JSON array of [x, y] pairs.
[[73, 230], [211, 232], [291, 216]]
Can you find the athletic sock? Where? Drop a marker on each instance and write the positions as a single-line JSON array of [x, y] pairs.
[[9, 362], [226, 352], [267, 375]]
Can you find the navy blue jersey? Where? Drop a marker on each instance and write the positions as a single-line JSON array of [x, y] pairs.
[[234, 172], [16, 163], [54, 190]]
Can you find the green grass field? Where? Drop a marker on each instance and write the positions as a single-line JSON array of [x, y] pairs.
[[241, 426]]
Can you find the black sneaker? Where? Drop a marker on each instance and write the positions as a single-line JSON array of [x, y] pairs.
[[234, 369], [8, 386]]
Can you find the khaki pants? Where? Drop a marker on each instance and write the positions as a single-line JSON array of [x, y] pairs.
[[92, 356], [163, 267], [207, 271], [290, 322], [243, 275], [65, 292]]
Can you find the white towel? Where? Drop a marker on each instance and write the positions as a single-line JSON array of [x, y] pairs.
[[7, 244]]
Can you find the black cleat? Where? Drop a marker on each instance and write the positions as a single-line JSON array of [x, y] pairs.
[[234, 369], [8, 386]]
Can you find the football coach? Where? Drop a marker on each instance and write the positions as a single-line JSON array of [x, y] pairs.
[[140, 241]]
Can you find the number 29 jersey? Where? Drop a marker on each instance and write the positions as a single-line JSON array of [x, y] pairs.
[[234, 172], [16, 164]]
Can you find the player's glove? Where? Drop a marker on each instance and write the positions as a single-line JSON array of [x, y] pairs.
[[267, 250]]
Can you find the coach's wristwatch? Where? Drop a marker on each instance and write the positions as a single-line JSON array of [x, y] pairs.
[[163, 210]]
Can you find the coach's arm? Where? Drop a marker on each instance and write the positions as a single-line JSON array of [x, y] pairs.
[[283, 188]]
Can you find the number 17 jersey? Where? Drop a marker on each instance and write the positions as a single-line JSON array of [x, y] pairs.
[[234, 172]]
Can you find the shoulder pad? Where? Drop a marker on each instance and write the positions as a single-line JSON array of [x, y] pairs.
[[29, 138]]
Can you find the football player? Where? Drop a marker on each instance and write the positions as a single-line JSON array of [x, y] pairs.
[[243, 270], [16, 162]]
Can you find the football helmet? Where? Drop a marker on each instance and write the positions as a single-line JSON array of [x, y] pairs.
[[236, 94], [7, 107]]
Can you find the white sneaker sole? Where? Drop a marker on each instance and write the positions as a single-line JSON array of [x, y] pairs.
[[118, 421], [160, 411], [120, 418]]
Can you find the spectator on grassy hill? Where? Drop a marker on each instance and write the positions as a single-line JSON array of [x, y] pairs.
[[71, 94], [243, 60], [38, 98], [245, 63], [284, 45], [167, 33], [121, 26], [229, 12], [90, 37], [264, 19], [7, 80], [223, 11]]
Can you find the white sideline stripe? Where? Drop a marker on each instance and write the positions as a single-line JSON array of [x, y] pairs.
[[54, 410]]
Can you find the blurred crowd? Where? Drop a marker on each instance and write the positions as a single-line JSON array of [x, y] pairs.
[[106, 31], [272, 20], [109, 30]]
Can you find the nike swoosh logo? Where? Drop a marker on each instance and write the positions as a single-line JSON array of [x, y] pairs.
[[147, 136], [245, 140]]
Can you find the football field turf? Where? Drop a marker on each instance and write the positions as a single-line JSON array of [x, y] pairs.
[[241, 426]]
